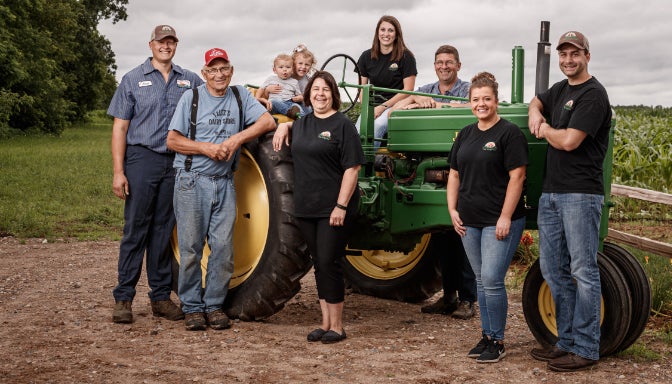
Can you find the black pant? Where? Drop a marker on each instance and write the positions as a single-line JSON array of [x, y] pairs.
[[327, 249], [456, 272]]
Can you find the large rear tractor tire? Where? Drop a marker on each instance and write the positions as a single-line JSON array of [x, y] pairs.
[[617, 306], [411, 277], [270, 256], [640, 289]]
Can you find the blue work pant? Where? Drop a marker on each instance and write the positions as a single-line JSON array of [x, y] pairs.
[[149, 222]]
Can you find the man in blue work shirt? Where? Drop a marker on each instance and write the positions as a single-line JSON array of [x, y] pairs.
[[458, 279], [142, 107]]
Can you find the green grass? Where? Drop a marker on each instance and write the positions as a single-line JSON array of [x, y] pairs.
[[60, 187], [640, 352], [55, 187]]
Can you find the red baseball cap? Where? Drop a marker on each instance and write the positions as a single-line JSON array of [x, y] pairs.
[[215, 53]]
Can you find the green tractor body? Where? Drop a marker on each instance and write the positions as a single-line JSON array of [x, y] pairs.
[[403, 227]]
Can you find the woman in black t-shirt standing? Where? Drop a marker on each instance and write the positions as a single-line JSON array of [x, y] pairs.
[[488, 162], [327, 157], [388, 64]]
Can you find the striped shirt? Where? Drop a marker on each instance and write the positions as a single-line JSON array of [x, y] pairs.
[[148, 102]]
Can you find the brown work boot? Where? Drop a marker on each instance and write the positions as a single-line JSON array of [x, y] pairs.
[[464, 311], [122, 313], [443, 306], [167, 309], [218, 320], [569, 363], [546, 354], [194, 321], [294, 112]]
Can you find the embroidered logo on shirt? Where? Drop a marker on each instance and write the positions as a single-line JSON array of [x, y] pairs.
[[183, 84], [568, 105], [490, 146], [146, 83], [326, 135], [394, 67]]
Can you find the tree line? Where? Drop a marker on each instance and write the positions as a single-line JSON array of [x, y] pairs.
[[54, 64]]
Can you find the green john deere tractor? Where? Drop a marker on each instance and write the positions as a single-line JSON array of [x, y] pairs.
[[404, 225]]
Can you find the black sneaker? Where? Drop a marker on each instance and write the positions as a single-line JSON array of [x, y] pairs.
[[479, 348], [493, 353]]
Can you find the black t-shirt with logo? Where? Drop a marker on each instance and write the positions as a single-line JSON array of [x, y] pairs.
[[322, 149], [386, 73], [584, 107], [483, 160]]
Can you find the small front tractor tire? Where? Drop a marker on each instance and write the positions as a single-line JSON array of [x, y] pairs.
[[411, 277]]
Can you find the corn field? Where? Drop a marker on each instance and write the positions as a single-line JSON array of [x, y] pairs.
[[643, 159]]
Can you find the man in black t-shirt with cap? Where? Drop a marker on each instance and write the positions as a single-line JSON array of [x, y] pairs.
[[574, 117]]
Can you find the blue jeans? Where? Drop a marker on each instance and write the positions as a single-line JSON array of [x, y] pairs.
[[379, 127], [490, 259], [148, 224], [569, 230], [282, 106], [204, 206]]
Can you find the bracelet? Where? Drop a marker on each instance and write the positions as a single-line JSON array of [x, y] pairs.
[[343, 207]]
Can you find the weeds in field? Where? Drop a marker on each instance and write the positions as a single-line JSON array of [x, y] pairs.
[[526, 254], [659, 271], [640, 352]]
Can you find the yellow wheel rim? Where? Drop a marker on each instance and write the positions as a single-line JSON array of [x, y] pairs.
[[384, 265], [547, 308], [252, 221]]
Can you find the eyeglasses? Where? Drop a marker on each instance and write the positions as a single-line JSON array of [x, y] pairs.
[[448, 63], [222, 70], [168, 42]]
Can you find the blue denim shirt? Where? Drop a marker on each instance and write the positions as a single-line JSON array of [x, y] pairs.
[[148, 101], [460, 89]]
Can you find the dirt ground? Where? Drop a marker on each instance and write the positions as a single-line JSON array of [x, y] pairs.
[[56, 306]]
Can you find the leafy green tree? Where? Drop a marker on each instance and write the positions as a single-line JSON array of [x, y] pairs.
[[54, 64]]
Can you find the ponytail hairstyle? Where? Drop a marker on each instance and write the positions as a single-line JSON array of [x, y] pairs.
[[485, 79]]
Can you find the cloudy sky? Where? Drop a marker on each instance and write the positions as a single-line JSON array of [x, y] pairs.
[[631, 41]]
